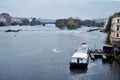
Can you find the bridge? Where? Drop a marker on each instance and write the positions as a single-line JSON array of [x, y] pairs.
[[47, 21], [44, 23]]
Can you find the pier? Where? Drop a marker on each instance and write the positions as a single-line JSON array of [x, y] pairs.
[[106, 57], [106, 54]]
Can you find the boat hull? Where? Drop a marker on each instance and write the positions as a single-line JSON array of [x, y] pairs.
[[78, 65]]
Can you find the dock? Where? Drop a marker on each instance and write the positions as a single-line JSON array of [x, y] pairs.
[[101, 55]]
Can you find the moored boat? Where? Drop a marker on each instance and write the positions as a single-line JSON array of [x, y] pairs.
[[90, 30], [80, 58]]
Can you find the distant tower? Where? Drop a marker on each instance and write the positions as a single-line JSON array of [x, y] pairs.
[[115, 30]]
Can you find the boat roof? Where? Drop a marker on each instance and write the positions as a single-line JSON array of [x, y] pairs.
[[80, 55], [81, 52], [82, 49]]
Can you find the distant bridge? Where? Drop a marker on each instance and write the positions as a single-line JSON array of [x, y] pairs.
[[44, 22]]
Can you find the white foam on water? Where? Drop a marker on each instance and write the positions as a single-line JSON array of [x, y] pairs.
[[55, 50]]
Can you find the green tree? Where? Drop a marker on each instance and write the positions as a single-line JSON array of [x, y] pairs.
[[71, 24], [61, 25]]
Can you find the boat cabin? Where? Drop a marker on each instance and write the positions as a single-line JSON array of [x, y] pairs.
[[79, 58]]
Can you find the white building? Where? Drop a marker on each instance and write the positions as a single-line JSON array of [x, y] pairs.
[[2, 19], [5, 19], [115, 30], [16, 19]]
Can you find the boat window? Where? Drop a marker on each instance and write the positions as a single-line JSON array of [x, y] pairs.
[[77, 60], [83, 43], [74, 60]]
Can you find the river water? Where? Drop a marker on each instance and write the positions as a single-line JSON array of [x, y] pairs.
[[43, 53]]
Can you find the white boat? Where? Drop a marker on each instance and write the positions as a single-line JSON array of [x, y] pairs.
[[80, 58]]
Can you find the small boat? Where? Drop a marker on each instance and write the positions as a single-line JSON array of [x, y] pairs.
[[80, 58], [90, 30], [9, 30]]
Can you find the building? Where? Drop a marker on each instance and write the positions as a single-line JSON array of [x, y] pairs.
[[115, 30], [5, 19], [2, 18], [16, 20]]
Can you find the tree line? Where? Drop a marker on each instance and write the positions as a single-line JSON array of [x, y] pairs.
[[71, 23]]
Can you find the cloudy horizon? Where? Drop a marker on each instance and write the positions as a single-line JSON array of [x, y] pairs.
[[54, 9]]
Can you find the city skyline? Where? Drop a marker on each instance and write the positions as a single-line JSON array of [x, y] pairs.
[[54, 9]]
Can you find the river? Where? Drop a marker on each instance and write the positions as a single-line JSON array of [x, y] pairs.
[[43, 53]]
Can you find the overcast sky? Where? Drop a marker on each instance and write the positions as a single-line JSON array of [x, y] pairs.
[[53, 9]]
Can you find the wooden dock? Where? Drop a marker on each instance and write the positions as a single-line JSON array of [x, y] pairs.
[[104, 56]]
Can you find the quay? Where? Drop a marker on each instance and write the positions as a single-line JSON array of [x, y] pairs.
[[106, 54]]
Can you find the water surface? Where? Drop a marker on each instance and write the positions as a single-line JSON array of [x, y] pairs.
[[43, 53]]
